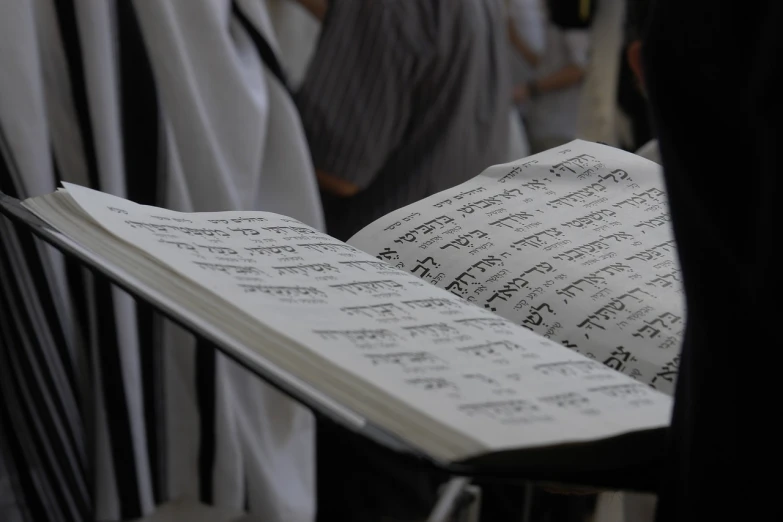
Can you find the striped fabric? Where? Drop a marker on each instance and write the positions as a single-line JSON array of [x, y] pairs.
[[106, 409], [41, 419], [405, 98]]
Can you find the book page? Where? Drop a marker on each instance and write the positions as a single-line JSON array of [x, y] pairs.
[[462, 365], [574, 244]]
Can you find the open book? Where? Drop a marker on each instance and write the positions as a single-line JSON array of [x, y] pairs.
[[529, 314]]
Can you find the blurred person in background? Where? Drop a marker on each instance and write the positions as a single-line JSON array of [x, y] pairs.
[[527, 23], [552, 97], [403, 99]]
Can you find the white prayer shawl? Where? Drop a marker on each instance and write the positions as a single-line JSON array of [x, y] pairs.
[[296, 31], [205, 126]]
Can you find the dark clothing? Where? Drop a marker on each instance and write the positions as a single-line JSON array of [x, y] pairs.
[[714, 74], [405, 98], [634, 105]]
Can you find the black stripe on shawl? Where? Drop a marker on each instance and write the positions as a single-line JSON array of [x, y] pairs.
[[43, 448], [265, 51], [144, 176], [35, 268], [10, 450], [74, 275], [206, 359], [113, 379], [20, 454], [40, 392]]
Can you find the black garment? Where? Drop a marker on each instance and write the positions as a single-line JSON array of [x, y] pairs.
[[715, 77], [633, 103]]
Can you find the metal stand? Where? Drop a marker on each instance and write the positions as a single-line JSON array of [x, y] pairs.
[[528, 501], [459, 501]]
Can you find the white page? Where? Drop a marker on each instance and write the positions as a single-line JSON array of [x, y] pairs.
[[464, 366], [574, 243]]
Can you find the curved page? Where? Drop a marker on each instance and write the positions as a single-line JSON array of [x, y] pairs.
[[463, 366], [573, 243]]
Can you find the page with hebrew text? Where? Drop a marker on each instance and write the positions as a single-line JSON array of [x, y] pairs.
[[573, 243], [457, 364]]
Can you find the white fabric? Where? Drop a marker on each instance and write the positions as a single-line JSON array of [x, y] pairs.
[[225, 114], [625, 506], [237, 143], [518, 146], [296, 31], [609, 508], [24, 117], [529, 19], [554, 114], [22, 112], [233, 141], [97, 31]]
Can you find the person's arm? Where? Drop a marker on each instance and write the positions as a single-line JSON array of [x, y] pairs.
[[566, 77], [521, 46], [335, 185], [577, 43], [316, 7]]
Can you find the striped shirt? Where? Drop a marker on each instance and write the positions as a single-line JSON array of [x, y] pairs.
[[405, 98]]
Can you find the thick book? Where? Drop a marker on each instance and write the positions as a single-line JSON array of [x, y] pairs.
[[526, 321]]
